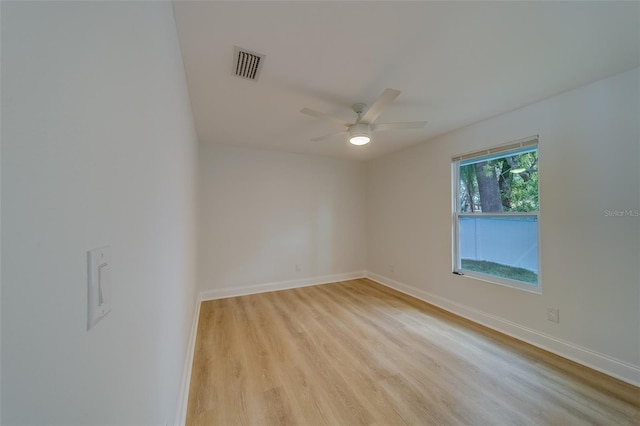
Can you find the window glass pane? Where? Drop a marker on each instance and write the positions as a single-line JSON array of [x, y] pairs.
[[508, 183], [505, 246]]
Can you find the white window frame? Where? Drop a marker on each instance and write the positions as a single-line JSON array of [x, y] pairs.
[[456, 261]]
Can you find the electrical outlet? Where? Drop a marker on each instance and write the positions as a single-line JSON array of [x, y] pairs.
[[553, 314], [392, 268], [298, 267]]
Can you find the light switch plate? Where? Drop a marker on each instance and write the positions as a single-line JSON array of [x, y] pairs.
[[99, 279]]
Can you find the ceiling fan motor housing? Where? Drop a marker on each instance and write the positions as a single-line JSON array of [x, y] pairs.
[[360, 133]]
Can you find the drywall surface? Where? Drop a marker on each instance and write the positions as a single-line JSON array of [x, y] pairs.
[[0, 222], [98, 148], [589, 152], [264, 212]]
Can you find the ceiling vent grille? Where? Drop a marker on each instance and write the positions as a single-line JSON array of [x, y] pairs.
[[247, 64]]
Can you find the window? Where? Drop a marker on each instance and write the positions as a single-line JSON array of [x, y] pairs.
[[496, 215]]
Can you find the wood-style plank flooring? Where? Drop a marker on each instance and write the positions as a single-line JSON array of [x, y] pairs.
[[358, 353]]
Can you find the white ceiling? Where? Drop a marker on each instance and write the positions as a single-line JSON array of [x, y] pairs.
[[456, 63]]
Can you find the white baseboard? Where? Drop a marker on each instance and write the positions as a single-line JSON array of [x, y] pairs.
[[608, 365], [183, 400], [280, 285]]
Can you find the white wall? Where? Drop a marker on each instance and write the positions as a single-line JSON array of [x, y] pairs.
[[98, 148], [263, 212], [0, 222], [589, 162]]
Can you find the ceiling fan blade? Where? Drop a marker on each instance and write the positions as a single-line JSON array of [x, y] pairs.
[[398, 126], [379, 105], [329, 136], [322, 115]]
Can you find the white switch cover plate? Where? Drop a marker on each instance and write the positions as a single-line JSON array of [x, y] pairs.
[[99, 272]]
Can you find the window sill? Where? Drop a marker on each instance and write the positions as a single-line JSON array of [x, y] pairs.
[[529, 288]]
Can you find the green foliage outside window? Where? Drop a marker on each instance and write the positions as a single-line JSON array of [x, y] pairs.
[[507, 184]]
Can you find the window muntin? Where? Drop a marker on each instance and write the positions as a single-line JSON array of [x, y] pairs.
[[496, 215]]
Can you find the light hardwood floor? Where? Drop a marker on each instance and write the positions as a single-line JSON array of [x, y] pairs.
[[356, 352]]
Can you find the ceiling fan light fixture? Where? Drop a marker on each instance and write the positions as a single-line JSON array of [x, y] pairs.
[[360, 134], [360, 140]]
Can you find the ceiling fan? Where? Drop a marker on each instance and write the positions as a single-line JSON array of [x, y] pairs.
[[360, 131]]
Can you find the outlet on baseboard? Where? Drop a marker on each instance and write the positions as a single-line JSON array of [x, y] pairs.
[[298, 267], [392, 268], [553, 314]]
